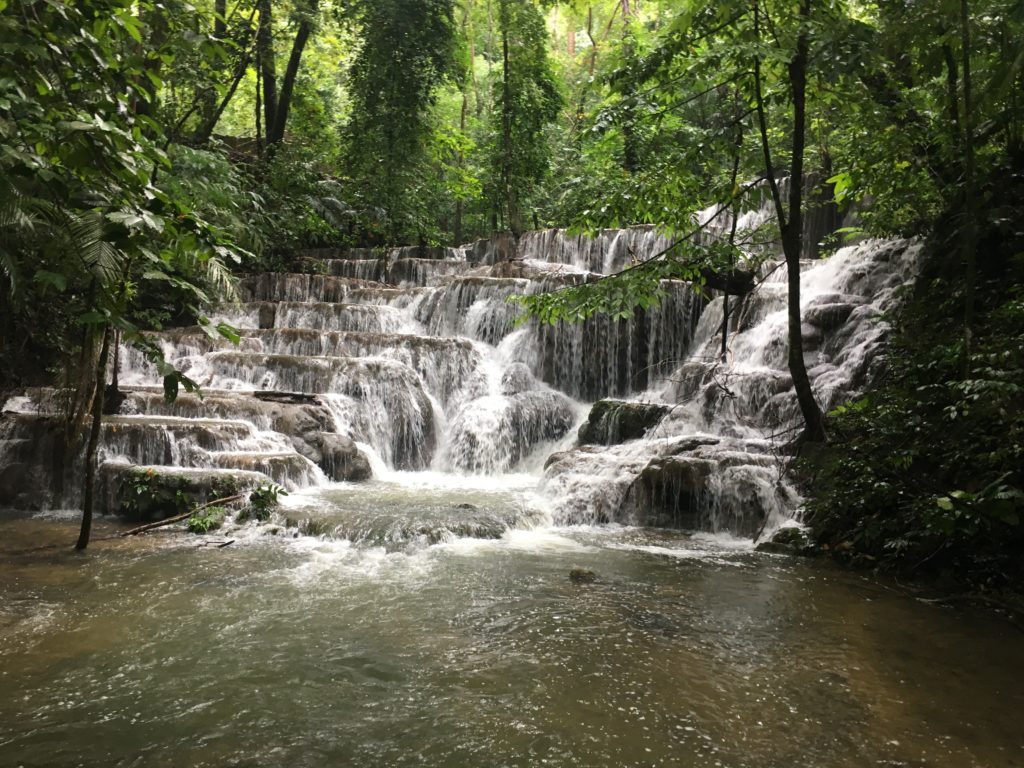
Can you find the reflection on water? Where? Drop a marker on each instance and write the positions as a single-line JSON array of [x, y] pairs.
[[475, 649]]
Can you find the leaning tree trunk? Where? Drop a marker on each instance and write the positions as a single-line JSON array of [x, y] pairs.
[[275, 130], [791, 227], [94, 440]]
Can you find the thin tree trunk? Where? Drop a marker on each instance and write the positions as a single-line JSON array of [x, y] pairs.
[[952, 92], [284, 101], [94, 439], [968, 232], [209, 94], [210, 121], [467, 81], [514, 216], [259, 107], [630, 144], [593, 42], [268, 69], [792, 229]]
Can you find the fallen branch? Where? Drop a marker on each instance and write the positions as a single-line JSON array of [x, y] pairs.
[[179, 518]]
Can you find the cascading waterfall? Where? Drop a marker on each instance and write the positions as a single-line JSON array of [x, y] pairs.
[[415, 360]]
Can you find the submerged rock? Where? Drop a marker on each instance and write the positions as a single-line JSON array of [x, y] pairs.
[[580, 575]]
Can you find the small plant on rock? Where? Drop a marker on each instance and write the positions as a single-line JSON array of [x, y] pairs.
[[206, 520], [262, 501]]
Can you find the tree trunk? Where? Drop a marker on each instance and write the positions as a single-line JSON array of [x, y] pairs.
[[267, 66], [94, 439], [630, 148], [467, 83], [514, 215], [792, 229], [968, 232], [210, 121], [276, 134], [209, 94]]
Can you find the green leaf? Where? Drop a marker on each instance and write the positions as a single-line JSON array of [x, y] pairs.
[[51, 278], [229, 333]]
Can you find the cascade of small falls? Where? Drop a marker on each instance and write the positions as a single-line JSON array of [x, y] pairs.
[[412, 360]]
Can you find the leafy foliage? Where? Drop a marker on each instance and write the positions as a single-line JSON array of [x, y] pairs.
[[926, 475], [407, 51], [208, 519], [262, 501]]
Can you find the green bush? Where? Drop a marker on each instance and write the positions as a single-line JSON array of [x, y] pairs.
[[262, 501], [925, 475], [206, 520]]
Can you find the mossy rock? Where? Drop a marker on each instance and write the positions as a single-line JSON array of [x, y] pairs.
[[155, 493], [790, 540]]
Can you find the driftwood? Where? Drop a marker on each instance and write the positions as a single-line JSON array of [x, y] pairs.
[[288, 398], [179, 518], [215, 543]]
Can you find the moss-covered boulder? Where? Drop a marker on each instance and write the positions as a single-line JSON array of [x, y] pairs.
[[159, 492], [790, 540]]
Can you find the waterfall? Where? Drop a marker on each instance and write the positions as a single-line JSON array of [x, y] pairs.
[[415, 359]]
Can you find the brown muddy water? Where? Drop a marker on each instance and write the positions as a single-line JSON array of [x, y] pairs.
[[441, 642]]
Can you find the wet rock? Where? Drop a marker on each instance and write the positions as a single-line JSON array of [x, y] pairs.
[[516, 379], [827, 316], [291, 398], [267, 315], [492, 434], [157, 492], [613, 421], [342, 460], [467, 506], [790, 540], [13, 486], [579, 575], [668, 493]]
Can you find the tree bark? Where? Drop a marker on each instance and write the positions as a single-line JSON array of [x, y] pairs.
[[792, 227], [267, 65], [514, 214], [276, 134], [93, 445], [968, 232], [210, 121]]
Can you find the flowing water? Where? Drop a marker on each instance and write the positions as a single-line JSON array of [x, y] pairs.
[[482, 652], [411, 603]]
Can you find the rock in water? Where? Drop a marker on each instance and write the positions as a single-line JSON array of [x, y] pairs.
[[613, 421], [580, 575]]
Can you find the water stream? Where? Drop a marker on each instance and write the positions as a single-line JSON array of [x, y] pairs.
[[411, 603], [314, 651]]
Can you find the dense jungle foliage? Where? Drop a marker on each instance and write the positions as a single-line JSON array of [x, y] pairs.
[[150, 150]]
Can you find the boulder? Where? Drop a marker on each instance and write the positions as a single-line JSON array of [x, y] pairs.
[[341, 459], [668, 493], [614, 421], [517, 379], [790, 540]]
